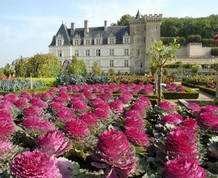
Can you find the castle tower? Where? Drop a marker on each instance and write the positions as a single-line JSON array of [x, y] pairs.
[[144, 30]]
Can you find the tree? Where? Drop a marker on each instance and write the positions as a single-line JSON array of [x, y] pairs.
[[159, 54], [96, 69], [124, 20], [8, 71], [43, 65], [21, 68], [77, 66], [195, 69]]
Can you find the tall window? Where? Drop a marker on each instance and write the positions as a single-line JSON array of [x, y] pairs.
[[59, 42], [111, 63], [59, 53], [126, 40], [138, 52], [126, 63], [88, 52], [97, 41], [77, 42], [111, 52], [111, 40], [126, 52], [88, 41], [98, 52], [76, 52]]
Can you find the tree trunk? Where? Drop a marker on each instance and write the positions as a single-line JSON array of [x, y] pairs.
[[159, 87]]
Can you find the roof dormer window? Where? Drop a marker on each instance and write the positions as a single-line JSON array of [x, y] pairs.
[[126, 38], [111, 39], [59, 40]]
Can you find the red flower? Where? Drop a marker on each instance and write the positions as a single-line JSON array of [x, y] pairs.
[[102, 111], [184, 168], [208, 119], [210, 108], [137, 136], [34, 164], [113, 149], [12, 98], [126, 97], [46, 96], [172, 118], [78, 104], [57, 106], [182, 142], [77, 129], [33, 111], [38, 102], [26, 95], [52, 143]]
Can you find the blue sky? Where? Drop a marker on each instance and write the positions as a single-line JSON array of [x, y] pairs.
[[27, 26]]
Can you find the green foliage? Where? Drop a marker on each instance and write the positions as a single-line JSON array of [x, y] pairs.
[[18, 85], [214, 51], [8, 70], [96, 69], [195, 69], [209, 42], [194, 38], [49, 82], [208, 90], [111, 72], [21, 68], [2, 72], [168, 40], [199, 80], [77, 67], [93, 79], [124, 20], [189, 94], [43, 65], [206, 27]]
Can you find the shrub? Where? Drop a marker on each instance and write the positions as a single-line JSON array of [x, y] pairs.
[[194, 38], [214, 51]]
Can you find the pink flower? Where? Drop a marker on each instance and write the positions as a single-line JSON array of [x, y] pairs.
[[7, 125], [46, 96], [64, 95], [114, 150], [210, 108], [66, 168], [34, 164], [147, 90], [6, 148], [26, 95], [172, 118], [34, 123], [52, 142], [195, 108], [181, 142], [77, 129], [65, 114], [78, 104], [89, 118], [137, 136], [12, 98], [184, 168], [167, 106], [60, 99], [191, 124]]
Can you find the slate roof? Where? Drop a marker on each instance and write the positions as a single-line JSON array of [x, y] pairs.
[[117, 31]]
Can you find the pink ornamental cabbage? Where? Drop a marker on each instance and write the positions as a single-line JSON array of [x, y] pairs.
[[137, 136], [126, 97], [38, 102], [102, 111], [7, 126], [89, 118], [34, 164], [26, 95], [133, 122], [35, 123], [181, 142], [184, 168], [33, 111], [6, 148], [53, 143], [77, 130], [208, 119], [114, 150], [172, 118], [210, 108], [65, 114], [117, 106], [12, 98], [21, 103], [195, 108], [57, 106], [191, 124], [166, 106]]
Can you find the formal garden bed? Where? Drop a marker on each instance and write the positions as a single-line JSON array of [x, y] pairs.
[[105, 130]]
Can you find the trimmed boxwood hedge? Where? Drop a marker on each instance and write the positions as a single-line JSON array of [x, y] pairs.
[[209, 91], [189, 94]]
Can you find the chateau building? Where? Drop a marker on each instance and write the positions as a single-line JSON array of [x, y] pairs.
[[122, 48]]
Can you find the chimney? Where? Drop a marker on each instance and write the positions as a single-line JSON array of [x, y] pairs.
[[73, 25], [86, 29], [105, 25]]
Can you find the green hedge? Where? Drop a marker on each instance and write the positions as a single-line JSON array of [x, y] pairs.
[[209, 91], [190, 85], [189, 94]]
